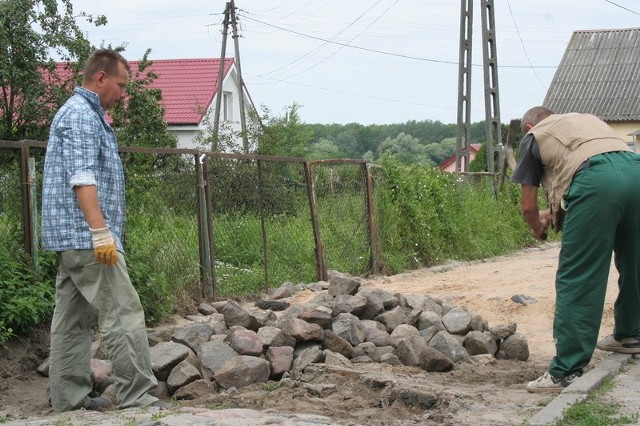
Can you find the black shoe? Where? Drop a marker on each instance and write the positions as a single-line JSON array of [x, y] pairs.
[[161, 405], [100, 403]]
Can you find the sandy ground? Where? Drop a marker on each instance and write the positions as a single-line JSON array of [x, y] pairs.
[[486, 287], [368, 394]]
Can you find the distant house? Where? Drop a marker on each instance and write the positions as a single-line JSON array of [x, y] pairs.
[[189, 90], [449, 165], [599, 74]]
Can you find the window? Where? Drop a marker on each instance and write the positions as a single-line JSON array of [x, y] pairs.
[[227, 106]]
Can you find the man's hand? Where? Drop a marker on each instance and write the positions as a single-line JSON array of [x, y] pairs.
[[544, 217], [104, 246]]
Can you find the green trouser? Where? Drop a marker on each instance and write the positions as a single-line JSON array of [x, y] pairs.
[[90, 293], [603, 216]]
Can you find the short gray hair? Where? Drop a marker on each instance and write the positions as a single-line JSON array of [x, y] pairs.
[[535, 115]]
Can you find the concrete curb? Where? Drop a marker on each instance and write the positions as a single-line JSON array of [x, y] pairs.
[[580, 390]]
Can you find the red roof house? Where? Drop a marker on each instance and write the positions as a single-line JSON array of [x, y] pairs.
[[189, 89], [449, 165]]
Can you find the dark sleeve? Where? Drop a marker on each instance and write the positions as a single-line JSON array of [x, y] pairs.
[[529, 167]]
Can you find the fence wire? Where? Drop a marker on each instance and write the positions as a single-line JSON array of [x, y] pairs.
[[261, 224], [214, 225], [342, 216], [12, 237]]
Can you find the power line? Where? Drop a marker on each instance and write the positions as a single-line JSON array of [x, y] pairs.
[[382, 52], [523, 46], [622, 7], [349, 42], [325, 43]]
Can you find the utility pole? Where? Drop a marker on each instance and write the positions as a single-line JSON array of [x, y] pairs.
[[491, 93], [491, 98], [243, 121], [216, 117], [463, 137]]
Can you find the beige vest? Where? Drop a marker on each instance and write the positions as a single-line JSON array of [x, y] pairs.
[[565, 142]]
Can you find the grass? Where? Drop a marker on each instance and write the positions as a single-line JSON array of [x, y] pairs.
[[597, 411]]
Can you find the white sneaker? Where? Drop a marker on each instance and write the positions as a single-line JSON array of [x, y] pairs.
[[628, 345], [548, 384]]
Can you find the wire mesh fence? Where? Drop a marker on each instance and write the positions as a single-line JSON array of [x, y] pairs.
[[343, 215], [215, 224], [261, 223], [12, 235]]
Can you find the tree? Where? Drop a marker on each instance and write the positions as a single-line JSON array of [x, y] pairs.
[[405, 148], [31, 89], [140, 120], [325, 149], [285, 136]]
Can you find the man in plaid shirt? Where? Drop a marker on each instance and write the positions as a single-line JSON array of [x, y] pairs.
[[82, 220]]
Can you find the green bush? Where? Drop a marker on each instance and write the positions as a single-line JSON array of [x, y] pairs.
[[426, 216], [27, 296]]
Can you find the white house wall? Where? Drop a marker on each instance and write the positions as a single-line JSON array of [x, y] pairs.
[[186, 134]]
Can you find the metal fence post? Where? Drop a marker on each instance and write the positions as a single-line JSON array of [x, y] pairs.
[[203, 231], [265, 248], [27, 213], [371, 221], [321, 266]]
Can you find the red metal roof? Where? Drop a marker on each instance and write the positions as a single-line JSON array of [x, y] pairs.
[[188, 86]]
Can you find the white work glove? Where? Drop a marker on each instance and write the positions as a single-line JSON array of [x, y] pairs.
[[104, 246]]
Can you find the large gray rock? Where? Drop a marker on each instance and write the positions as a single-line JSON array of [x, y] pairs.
[[301, 330], [423, 303], [343, 284], [281, 358], [307, 355], [434, 361], [516, 347], [476, 343], [378, 301], [193, 335], [457, 321], [181, 375], [318, 316], [242, 371], [429, 319], [165, 356], [350, 328], [337, 344], [244, 342], [213, 355], [345, 303], [503, 331], [235, 314], [392, 319], [448, 345], [273, 336]]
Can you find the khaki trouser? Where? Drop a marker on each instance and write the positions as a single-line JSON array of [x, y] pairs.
[[89, 293]]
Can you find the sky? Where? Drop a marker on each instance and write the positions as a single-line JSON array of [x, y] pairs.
[[363, 61]]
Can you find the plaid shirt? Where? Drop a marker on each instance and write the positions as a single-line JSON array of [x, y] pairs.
[[81, 151]]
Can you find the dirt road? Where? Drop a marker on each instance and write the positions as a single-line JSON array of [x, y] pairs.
[[367, 394]]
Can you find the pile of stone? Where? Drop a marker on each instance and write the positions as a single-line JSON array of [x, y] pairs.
[[230, 345]]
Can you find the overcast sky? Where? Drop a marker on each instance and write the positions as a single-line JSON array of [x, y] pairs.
[[364, 61]]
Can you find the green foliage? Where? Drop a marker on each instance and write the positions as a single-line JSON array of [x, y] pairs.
[[479, 163], [426, 216], [596, 411], [285, 136], [140, 121], [30, 32], [405, 148], [26, 295]]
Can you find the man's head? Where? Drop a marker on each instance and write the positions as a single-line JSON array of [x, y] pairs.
[[106, 73], [533, 117]]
